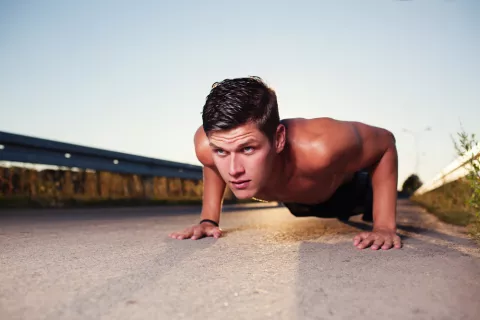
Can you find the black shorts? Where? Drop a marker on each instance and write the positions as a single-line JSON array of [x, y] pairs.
[[352, 198]]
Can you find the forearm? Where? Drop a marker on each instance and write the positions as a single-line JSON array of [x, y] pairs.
[[213, 192], [384, 183]]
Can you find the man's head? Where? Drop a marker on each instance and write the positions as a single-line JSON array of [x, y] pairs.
[[235, 102], [242, 123]]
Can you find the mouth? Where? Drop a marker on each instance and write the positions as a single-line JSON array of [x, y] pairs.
[[240, 184]]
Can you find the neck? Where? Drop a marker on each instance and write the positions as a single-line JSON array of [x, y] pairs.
[[280, 175]]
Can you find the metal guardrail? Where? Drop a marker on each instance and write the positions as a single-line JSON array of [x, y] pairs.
[[26, 149], [459, 168]]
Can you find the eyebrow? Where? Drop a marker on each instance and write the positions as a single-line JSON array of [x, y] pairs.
[[213, 145], [243, 144]]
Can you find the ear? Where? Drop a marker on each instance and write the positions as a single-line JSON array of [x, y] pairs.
[[280, 138]]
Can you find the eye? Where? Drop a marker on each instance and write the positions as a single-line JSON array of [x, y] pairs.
[[248, 149], [220, 152]]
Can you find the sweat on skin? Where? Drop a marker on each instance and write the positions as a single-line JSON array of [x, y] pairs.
[[301, 160]]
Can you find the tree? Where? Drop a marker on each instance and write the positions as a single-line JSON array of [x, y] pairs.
[[411, 184]]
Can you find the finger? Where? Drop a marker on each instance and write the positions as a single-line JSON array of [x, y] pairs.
[[379, 241], [388, 243], [358, 238], [217, 233], [366, 242], [180, 234], [397, 242], [197, 233], [185, 235], [174, 234], [213, 231]]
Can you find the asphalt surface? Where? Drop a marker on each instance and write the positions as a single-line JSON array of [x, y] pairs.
[[120, 264]]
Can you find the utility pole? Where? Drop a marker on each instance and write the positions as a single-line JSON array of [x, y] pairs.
[[416, 136]]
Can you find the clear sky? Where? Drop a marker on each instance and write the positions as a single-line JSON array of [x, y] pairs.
[[132, 76]]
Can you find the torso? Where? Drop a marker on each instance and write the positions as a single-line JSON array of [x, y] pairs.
[[315, 178], [309, 190], [316, 173]]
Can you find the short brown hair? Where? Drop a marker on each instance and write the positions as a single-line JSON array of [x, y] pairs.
[[234, 102]]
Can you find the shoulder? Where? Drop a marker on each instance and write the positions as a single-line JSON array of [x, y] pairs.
[[317, 127], [202, 148], [319, 142]]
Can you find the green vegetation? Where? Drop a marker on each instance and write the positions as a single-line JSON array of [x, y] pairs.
[[411, 184], [464, 146], [448, 202], [458, 202]]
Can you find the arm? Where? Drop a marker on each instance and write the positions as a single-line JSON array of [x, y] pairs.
[[384, 181], [213, 192], [378, 152], [213, 184], [360, 146]]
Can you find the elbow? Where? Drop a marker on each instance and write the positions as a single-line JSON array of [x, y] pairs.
[[392, 147], [202, 148], [392, 136], [389, 145], [390, 139]]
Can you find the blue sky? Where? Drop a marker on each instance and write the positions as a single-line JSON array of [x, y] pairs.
[[132, 76]]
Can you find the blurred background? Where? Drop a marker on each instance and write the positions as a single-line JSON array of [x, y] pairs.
[[132, 76]]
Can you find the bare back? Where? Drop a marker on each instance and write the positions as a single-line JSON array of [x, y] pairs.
[[321, 154], [317, 171]]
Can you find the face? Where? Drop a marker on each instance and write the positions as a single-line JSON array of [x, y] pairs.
[[244, 157]]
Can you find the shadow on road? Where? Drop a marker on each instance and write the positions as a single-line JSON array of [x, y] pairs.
[[415, 230], [338, 281], [80, 214], [368, 227], [152, 275]]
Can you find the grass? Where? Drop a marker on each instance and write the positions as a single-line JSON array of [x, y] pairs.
[[458, 202], [448, 203]]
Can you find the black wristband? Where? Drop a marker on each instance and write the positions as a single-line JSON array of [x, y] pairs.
[[208, 220]]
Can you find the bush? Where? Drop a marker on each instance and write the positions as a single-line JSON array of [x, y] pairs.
[[411, 184], [458, 202], [468, 146]]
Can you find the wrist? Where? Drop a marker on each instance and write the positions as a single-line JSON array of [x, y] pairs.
[[385, 222], [210, 221], [385, 227], [210, 213]]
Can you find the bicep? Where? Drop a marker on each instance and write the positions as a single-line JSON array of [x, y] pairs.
[[360, 146], [374, 142], [213, 184], [202, 148]]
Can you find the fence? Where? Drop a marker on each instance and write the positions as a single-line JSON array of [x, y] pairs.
[[459, 168], [90, 174]]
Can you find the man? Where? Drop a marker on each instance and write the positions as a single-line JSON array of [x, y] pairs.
[[317, 167]]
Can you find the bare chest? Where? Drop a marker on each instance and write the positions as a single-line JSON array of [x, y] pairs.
[[309, 189]]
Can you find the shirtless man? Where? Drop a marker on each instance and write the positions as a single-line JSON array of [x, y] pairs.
[[316, 167]]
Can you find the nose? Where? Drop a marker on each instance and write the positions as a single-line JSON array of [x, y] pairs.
[[236, 168]]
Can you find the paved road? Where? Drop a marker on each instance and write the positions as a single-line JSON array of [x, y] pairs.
[[120, 264]]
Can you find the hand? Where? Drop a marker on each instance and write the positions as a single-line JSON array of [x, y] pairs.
[[197, 232], [378, 238]]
